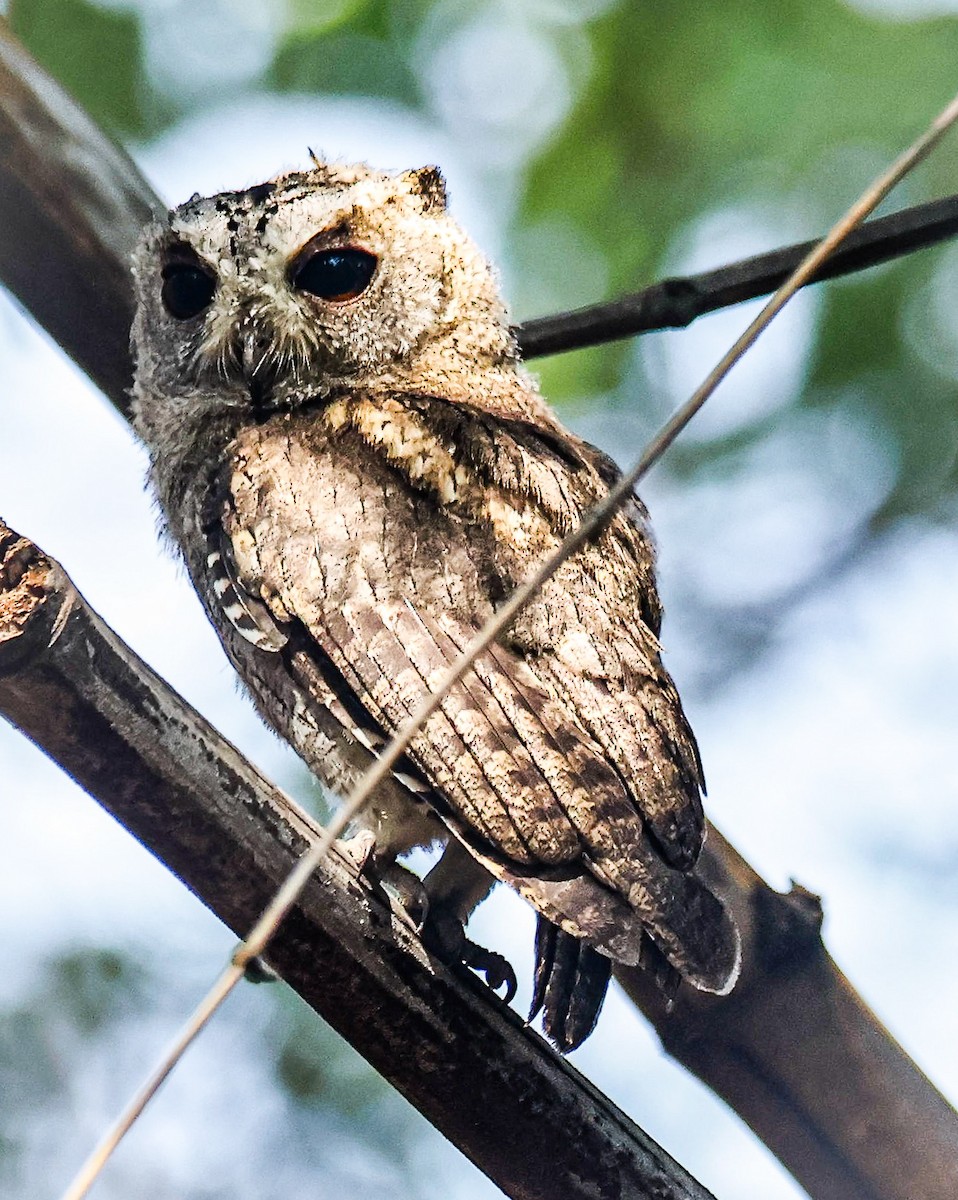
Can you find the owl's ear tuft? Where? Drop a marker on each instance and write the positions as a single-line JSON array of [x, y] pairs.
[[428, 183]]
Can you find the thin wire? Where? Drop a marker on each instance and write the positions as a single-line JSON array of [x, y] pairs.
[[593, 523]]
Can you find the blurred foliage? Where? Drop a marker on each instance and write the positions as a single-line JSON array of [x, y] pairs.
[[675, 111], [65, 1069], [353, 53], [80, 996], [94, 52], [672, 113]]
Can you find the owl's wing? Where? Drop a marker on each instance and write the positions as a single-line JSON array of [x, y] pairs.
[[526, 789], [630, 706], [519, 778]]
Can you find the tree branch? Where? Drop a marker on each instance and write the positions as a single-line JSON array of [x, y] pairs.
[[521, 1113], [799, 1056], [675, 303], [69, 195], [793, 1049], [71, 207]]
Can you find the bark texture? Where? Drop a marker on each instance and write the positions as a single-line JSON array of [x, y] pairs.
[[521, 1113], [801, 1058], [793, 1049]]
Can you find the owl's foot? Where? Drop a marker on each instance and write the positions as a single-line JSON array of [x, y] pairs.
[[496, 969], [358, 850], [445, 935], [399, 889], [571, 981], [404, 893]]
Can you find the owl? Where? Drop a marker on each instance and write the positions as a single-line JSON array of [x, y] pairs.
[[357, 469]]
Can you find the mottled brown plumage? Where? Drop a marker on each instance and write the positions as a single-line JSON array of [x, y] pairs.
[[356, 480]]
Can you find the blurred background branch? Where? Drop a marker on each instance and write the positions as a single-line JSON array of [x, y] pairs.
[[72, 201], [675, 303], [804, 524]]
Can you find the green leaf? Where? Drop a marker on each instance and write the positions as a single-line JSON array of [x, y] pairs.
[[691, 109], [309, 18], [94, 53], [345, 63]]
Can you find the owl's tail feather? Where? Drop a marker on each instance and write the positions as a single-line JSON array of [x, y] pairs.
[[707, 949], [686, 921], [571, 981]]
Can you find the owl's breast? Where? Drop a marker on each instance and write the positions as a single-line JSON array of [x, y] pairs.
[[322, 513], [317, 519]]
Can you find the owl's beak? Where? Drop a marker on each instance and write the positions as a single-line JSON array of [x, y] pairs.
[[252, 356], [255, 362]]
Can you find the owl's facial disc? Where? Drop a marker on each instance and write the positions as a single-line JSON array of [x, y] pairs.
[[311, 281]]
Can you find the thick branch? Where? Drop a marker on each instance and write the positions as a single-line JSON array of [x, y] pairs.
[[71, 207], [493, 1087], [69, 196], [793, 1049], [799, 1056]]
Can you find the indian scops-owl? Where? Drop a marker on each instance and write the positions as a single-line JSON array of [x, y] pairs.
[[358, 469]]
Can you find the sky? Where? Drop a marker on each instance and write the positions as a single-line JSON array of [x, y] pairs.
[[827, 760]]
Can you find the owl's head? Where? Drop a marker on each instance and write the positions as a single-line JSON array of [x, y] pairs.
[[336, 275]]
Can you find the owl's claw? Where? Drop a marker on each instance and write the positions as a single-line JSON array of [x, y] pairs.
[[358, 850], [404, 893], [445, 936], [397, 887], [496, 969]]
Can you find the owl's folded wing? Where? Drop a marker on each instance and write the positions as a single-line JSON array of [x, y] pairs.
[[519, 781], [517, 769], [629, 705]]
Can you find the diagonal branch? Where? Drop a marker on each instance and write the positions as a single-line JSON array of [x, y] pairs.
[[799, 1056], [68, 196], [675, 303], [792, 1049], [520, 1112]]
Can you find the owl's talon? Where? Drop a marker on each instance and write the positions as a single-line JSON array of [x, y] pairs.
[[358, 850], [398, 888], [496, 969], [445, 936], [404, 893]]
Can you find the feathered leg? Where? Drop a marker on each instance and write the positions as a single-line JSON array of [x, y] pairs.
[[455, 887]]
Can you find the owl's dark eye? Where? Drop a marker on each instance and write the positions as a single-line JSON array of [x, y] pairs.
[[336, 275], [187, 289]]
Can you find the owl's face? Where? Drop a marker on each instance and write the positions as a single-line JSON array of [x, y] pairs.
[[265, 296]]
